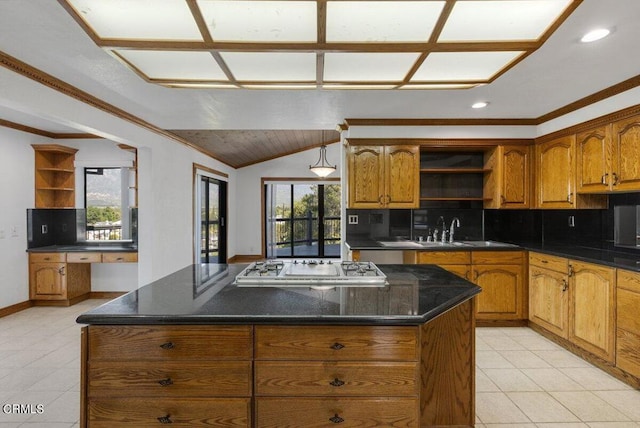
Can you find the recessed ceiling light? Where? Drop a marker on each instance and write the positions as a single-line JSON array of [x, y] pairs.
[[597, 34], [480, 104]]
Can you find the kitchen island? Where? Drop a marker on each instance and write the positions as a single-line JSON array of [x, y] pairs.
[[195, 349]]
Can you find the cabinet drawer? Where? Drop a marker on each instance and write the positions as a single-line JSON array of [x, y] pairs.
[[336, 343], [336, 378], [170, 379], [47, 257], [558, 264], [345, 412], [497, 257], [81, 257], [629, 281], [169, 343], [444, 257], [119, 257], [183, 413], [628, 306]]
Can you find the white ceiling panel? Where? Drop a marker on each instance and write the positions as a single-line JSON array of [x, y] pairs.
[[368, 67], [260, 21], [272, 66], [381, 21], [175, 65], [139, 19], [500, 20], [463, 66]]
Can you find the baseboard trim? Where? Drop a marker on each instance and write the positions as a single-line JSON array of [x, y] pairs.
[[245, 258], [10, 310], [106, 294], [501, 323]]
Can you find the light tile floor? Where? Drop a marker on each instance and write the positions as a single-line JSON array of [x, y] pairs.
[[522, 379]]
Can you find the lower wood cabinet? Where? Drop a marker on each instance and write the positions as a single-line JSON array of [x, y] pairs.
[[51, 278], [281, 375], [628, 322], [187, 376], [500, 274], [575, 301]]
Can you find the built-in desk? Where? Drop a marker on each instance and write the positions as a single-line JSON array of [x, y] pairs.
[[61, 275]]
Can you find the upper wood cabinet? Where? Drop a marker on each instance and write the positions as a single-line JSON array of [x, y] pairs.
[[384, 176], [508, 184], [555, 166], [625, 173], [607, 157], [54, 176]]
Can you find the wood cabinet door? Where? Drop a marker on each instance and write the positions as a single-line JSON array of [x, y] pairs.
[[592, 308], [366, 176], [555, 166], [502, 294], [402, 171], [593, 155], [515, 180], [47, 281], [548, 300], [626, 148]]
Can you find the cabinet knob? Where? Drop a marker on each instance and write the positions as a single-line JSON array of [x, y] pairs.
[[337, 346], [336, 419], [61, 271], [565, 285], [604, 178], [165, 382], [165, 419], [336, 382], [168, 345], [569, 196], [571, 271], [616, 179]]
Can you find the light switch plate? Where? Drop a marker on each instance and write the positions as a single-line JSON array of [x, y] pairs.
[[353, 219]]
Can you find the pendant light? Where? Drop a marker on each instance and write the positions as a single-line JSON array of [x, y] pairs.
[[322, 168]]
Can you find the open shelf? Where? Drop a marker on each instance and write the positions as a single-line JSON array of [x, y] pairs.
[[55, 176]]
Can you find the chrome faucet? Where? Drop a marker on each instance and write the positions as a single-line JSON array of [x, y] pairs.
[[455, 222]]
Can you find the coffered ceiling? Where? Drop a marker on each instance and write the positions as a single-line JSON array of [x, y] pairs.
[[543, 67]]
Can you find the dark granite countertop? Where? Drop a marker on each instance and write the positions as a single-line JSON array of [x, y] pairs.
[[205, 294], [82, 247], [617, 259], [402, 245]]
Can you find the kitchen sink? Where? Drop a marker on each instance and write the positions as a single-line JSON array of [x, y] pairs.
[[486, 244], [442, 244], [400, 244]]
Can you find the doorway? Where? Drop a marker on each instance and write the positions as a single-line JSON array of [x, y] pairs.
[[212, 220]]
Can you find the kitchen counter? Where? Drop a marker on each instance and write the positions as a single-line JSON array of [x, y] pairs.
[[120, 248], [617, 259], [205, 294], [194, 347]]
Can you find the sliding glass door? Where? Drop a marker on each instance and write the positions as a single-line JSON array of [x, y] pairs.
[[302, 220]]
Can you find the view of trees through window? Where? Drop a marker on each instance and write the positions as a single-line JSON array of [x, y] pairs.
[[103, 203], [304, 220]]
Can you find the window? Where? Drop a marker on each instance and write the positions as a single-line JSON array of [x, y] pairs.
[[109, 210], [303, 220]]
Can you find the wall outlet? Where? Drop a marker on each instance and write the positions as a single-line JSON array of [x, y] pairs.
[[353, 219], [14, 231], [45, 229], [572, 221]]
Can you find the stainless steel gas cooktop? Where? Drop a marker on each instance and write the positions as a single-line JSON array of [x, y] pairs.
[[304, 273]]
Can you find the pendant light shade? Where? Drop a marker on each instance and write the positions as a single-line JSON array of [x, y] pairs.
[[322, 168]]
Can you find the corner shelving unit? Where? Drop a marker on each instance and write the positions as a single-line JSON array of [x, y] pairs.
[[54, 176], [452, 178]]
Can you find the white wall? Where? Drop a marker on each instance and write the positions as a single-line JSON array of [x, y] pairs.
[[16, 195], [249, 191]]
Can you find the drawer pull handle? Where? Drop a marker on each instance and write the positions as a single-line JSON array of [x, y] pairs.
[[168, 345], [336, 419], [336, 382], [165, 382], [565, 285], [165, 419], [337, 346], [120, 258], [84, 258]]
